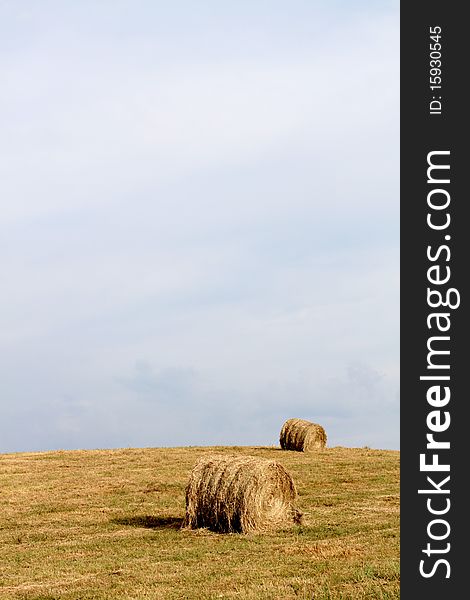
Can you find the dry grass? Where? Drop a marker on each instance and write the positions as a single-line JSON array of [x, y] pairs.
[[301, 435], [239, 494], [105, 524]]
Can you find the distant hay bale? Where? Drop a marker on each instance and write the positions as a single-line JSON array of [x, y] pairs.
[[239, 494], [303, 436]]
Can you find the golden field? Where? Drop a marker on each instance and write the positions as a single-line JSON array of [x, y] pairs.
[[102, 524]]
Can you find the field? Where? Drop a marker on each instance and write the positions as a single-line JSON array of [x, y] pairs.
[[105, 524]]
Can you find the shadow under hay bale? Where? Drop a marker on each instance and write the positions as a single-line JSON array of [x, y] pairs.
[[239, 494], [303, 436], [150, 522]]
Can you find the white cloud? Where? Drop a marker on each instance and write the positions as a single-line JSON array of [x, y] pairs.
[[218, 214]]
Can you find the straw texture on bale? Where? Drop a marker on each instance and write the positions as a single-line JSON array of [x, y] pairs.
[[239, 494], [303, 436]]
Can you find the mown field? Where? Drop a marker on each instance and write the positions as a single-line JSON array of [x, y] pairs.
[[106, 524]]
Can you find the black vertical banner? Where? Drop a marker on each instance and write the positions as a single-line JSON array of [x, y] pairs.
[[434, 256]]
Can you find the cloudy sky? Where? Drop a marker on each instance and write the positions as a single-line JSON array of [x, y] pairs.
[[199, 225]]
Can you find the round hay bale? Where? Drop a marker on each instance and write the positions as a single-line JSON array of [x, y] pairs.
[[239, 494], [303, 436]]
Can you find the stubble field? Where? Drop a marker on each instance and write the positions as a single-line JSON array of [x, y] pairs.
[[102, 524]]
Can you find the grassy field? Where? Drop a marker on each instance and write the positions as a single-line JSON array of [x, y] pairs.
[[106, 524]]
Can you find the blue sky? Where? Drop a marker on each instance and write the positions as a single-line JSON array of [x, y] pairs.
[[199, 234]]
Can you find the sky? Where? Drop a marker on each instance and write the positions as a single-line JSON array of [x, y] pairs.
[[199, 224]]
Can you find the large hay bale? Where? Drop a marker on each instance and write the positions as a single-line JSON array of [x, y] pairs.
[[239, 494], [303, 436]]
